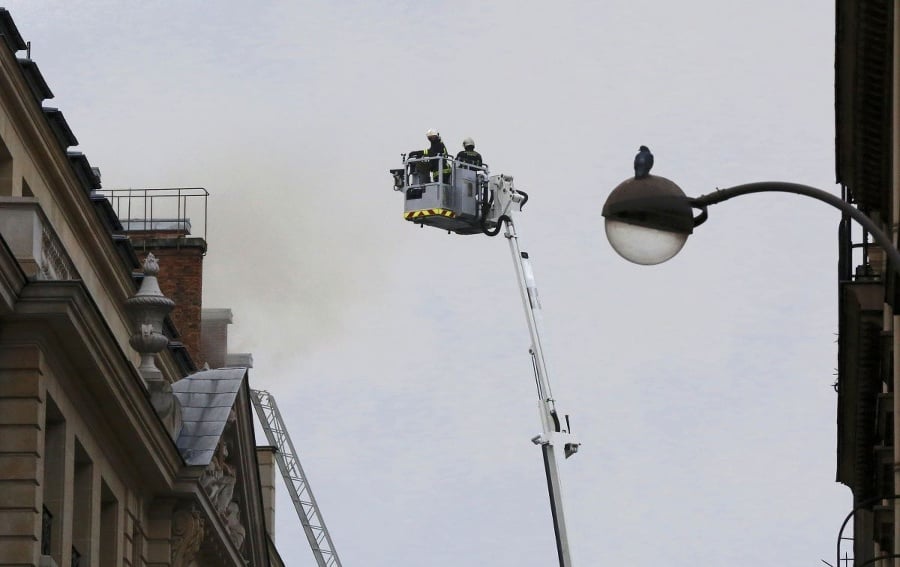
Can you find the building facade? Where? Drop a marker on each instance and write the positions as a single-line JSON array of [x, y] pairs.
[[867, 108], [118, 446]]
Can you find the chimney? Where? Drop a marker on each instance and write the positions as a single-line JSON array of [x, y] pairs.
[[180, 277], [242, 359], [214, 336], [156, 220], [214, 341]]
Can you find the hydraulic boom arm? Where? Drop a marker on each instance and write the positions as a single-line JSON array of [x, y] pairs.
[[556, 432], [471, 201]]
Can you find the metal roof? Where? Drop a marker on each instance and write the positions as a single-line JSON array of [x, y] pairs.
[[35, 80], [10, 32], [60, 127], [83, 171], [207, 398]]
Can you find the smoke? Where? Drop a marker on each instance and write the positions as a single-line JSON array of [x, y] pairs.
[[291, 251]]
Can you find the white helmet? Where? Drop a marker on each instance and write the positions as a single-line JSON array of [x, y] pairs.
[[468, 142], [431, 133]]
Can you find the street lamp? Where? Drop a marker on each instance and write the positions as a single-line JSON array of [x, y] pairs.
[[649, 218]]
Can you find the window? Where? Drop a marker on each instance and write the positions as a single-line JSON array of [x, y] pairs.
[[82, 506], [53, 482], [109, 526], [46, 531]]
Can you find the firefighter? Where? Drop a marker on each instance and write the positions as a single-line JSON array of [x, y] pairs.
[[469, 155], [437, 149]]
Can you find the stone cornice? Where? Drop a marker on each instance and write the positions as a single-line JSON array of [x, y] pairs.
[[64, 312]]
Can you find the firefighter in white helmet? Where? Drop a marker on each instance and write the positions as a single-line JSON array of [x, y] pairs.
[[437, 149], [468, 154]]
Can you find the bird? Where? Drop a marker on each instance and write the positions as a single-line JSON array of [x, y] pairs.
[[643, 163]]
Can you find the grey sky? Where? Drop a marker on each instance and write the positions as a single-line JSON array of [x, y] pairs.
[[701, 388]]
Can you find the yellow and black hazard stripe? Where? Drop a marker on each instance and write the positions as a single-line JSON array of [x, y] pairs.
[[429, 213]]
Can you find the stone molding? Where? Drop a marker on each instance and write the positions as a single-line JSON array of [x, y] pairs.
[[64, 309]]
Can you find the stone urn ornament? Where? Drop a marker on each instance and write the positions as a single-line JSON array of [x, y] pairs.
[[147, 309]]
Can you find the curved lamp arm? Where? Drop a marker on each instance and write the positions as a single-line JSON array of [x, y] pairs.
[[882, 239], [860, 506]]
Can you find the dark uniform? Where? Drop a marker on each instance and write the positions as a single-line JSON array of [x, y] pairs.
[[437, 148], [469, 155]]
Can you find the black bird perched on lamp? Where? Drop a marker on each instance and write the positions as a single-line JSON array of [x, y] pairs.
[[643, 162]]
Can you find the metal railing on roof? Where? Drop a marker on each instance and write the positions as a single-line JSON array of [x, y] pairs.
[[163, 210]]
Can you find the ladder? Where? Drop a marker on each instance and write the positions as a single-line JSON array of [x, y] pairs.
[[295, 479]]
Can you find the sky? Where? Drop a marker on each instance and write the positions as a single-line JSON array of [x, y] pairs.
[[701, 389]]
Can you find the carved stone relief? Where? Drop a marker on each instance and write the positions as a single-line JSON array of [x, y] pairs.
[[235, 528], [219, 481], [53, 264], [187, 535]]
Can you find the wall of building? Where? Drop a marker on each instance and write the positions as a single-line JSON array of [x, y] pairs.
[[87, 466]]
